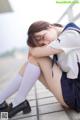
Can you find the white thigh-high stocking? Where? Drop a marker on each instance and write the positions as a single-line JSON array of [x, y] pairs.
[[11, 88], [31, 74]]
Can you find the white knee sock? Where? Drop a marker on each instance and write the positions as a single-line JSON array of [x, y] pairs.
[[31, 74], [11, 88]]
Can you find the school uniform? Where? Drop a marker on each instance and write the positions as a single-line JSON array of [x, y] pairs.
[[69, 61]]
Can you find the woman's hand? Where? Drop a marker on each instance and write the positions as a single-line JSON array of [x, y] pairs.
[[44, 51]]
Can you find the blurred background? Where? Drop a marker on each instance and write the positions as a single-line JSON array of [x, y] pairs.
[[17, 15]]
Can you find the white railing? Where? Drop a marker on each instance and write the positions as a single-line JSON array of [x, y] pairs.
[[70, 13]]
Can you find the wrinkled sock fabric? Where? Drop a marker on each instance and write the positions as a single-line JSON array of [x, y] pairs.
[[11, 88], [31, 74]]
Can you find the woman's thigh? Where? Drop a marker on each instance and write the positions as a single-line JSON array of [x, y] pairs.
[[56, 79], [53, 82], [57, 73]]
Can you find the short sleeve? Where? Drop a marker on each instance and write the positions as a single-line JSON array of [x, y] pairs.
[[69, 40], [55, 44]]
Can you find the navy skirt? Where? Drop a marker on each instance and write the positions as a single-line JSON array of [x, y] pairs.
[[71, 91]]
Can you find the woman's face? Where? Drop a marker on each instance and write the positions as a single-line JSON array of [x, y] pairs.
[[45, 37]]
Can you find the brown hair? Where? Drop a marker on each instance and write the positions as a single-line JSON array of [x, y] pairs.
[[57, 25], [37, 27]]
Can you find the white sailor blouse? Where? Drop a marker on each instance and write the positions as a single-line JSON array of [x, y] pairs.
[[69, 42]]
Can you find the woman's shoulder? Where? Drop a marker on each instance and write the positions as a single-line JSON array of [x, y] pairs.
[[69, 35]]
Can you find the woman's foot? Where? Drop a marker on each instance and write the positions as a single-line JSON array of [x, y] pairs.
[[24, 106]]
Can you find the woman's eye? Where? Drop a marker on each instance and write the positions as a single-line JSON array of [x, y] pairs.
[[44, 37]]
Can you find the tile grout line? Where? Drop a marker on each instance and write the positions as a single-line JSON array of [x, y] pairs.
[[41, 98], [37, 109]]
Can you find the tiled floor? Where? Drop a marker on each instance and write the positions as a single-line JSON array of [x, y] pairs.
[[43, 104], [45, 107]]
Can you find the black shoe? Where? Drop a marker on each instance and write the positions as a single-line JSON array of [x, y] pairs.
[[3, 106], [24, 106]]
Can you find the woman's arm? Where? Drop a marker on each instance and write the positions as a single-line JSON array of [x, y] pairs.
[[44, 51]]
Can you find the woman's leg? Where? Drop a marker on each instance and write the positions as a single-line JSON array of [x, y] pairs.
[[46, 68], [31, 74], [53, 82], [41, 78], [12, 86]]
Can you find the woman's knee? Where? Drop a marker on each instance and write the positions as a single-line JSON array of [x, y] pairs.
[[32, 59]]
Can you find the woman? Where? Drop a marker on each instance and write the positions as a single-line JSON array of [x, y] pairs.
[[65, 42], [41, 34]]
